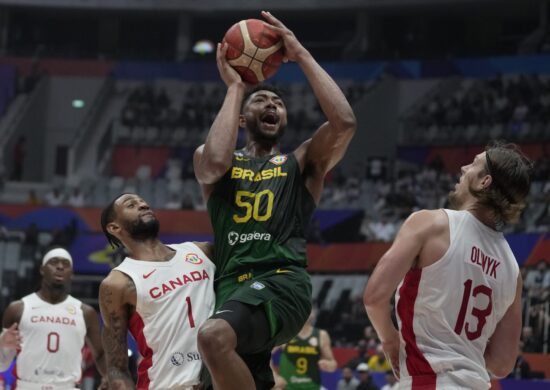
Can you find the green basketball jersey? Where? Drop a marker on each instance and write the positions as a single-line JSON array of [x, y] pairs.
[[299, 362], [260, 210]]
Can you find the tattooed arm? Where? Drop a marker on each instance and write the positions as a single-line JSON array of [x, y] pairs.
[[117, 299]]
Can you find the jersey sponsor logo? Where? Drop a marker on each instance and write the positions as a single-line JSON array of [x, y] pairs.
[[248, 174], [53, 320], [488, 264], [223, 311], [173, 284], [302, 349], [145, 276], [257, 286], [279, 160], [193, 258], [234, 237], [179, 358]]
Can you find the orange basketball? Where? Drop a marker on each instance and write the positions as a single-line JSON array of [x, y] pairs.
[[255, 51]]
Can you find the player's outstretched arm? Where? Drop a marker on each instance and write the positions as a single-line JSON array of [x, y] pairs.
[[327, 362], [93, 338], [114, 310], [503, 347], [10, 339], [212, 160], [389, 271], [331, 140]]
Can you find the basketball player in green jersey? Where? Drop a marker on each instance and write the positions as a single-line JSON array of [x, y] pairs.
[[260, 202], [303, 358]]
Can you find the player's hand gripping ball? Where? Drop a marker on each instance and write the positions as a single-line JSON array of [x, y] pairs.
[[254, 50]]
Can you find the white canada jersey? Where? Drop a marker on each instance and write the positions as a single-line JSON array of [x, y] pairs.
[[173, 299], [448, 310], [53, 337]]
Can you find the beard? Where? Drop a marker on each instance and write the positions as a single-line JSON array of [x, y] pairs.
[[143, 230], [258, 135]]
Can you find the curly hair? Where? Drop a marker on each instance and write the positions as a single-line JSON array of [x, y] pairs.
[[510, 171]]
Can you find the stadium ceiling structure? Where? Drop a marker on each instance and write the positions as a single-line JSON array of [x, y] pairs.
[[235, 5]]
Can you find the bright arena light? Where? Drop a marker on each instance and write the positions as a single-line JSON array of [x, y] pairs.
[[78, 103], [203, 46]]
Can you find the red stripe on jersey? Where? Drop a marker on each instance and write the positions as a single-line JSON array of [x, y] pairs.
[[136, 329], [423, 377], [14, 374]]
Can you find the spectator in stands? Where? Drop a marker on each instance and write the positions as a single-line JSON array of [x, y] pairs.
[[392, 382], [365, 380], [367, 229], [362, 355], [538, 319], [376, 168], [66, 235], [522, 369], [76, 199], [530, 342], [33, 199], [512, 107], [378, 362], [384, 230], [54, 197], [534, 281], [348, 381]]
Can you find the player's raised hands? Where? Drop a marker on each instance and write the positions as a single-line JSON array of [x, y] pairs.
[[228, 74], [293, 48], [10, 338]]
